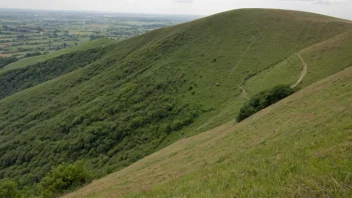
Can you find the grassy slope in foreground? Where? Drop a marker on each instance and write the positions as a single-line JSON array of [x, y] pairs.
[[299, 147], [37, 59]]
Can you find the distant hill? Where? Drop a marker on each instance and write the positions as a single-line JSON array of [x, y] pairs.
[[143, 94]]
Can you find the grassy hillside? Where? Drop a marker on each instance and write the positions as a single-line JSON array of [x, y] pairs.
[[322, 59], [37, 59], [299, 147], [145, 93]]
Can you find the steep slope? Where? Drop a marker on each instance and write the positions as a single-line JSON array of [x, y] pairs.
[[145, 93], [299, 147]]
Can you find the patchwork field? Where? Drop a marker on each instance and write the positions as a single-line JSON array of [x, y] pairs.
[[25, 33]]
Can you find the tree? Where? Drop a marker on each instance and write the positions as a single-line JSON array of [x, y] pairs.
[[263, 100]]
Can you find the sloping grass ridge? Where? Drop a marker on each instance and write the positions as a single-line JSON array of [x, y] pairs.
[[299, 147]]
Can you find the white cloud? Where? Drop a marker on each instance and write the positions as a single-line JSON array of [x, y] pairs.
[[329, 2], [183, 1], [325, 2]]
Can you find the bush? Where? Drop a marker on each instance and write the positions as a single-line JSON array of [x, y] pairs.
[[64, 177], [263, 100], [8, 189], [32, 54]]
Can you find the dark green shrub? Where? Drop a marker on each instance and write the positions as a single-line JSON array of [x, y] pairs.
[[8, 189], [32, 54], [64, 177], [176, 125], [263, 100]]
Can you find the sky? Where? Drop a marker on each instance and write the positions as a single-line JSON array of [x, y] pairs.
[[337, 8]]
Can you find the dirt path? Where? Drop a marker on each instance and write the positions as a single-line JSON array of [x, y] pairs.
[[244, 93], [304, 71], [224, 78], [243, 55]]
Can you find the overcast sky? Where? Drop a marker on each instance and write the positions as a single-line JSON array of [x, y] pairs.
[[338, 8]]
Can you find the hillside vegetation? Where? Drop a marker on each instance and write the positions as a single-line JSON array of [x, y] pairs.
[[299, 147], [38, 59], [147, 92], [16, 80]]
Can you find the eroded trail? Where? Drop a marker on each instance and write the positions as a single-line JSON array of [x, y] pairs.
[[226, 77], [243, 55], [304, 71], [244, 93]]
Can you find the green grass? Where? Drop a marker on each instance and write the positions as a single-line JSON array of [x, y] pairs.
[[34, 60], [285, 72], [328, 57], [323, 59], [147, 92], [299, 147]]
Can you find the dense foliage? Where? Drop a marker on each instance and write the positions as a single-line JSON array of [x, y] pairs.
[[112, 123], [9, 189], [59, 179], [7, 60], [19, 79], [263, 100], [64, 177]]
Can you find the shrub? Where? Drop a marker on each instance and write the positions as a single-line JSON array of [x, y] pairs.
[[176, 125], [8, 189], [263, 100], [64, 177], [32, 54]]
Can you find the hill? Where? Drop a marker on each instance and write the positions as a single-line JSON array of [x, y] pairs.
[[37, 59], [299, 147], [142, 94]]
